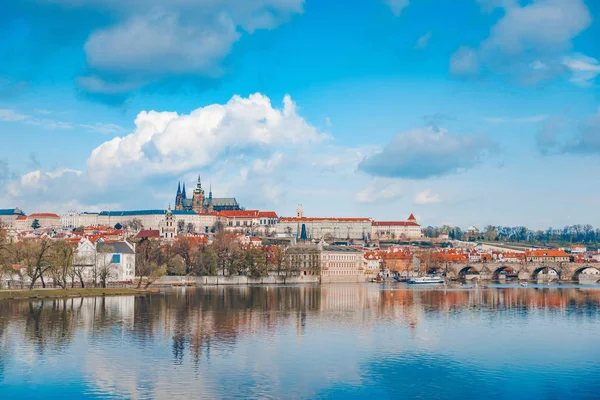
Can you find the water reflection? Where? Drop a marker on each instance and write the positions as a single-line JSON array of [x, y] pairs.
[[333, 341]]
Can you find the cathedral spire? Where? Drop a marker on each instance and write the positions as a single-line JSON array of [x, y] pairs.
[[183, 194], [179, 187]]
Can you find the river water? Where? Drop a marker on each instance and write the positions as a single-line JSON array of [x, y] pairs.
[[355, 341]]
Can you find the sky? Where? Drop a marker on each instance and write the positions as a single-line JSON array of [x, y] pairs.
[[470, 112]]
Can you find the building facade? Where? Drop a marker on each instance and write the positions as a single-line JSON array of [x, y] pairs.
[[8, 217], [44, 221], [117, 258], [342, 264], [392, 230], [325, 228]]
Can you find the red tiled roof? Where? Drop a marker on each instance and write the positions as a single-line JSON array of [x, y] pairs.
[[411, 217], [148, 233], [21, 218], [267, 214], [239, 213], [395, 223], [547, 253], [44, 215], [295, 219]]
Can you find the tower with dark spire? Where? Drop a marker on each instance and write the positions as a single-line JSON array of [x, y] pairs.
[[198, 198], [179, 197], [209, 206]]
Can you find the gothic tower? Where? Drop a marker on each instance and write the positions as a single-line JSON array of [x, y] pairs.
[[179, 198], [198, 199], [209, 207]]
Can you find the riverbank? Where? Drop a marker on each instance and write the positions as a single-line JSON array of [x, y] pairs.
[[67, 293]]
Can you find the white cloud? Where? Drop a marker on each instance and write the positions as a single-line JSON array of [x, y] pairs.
[[380, 190], [464, 61], [529, 41], [159, 44], [327, 122], [103, 128], [9, 115], [166, 142], [155, 39], [525, 120], [96, 85], [426, 152], [397, 6], [423, 41], [584, 69], [426, 197], [12, 116], [48, 123]]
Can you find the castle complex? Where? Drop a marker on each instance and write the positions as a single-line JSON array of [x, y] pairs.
[[202, 204]]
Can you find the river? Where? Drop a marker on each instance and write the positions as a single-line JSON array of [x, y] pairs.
[[336, 342]]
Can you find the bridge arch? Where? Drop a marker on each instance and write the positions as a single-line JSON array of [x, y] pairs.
[[590, 274], [551, 273], [468, 273], [506, 270]]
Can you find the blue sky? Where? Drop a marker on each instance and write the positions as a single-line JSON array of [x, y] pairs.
[[464, 112]]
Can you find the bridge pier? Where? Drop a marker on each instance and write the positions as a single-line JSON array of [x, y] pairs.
[[525, 271]]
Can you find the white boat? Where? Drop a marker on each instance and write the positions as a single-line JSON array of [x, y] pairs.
[[429, 279]]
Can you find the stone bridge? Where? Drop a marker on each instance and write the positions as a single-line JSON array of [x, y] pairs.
[[526, 271]]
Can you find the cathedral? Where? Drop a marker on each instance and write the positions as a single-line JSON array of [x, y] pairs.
[[202, 204]]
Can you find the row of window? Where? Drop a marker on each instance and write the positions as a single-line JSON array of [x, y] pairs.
[[341, 265], [341, 257], [340, 272]]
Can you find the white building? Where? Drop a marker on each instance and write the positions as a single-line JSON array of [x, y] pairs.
[[386, 230], [334, 263], [117, 257], [155, 219], [8, 217], [44, 220], [249, 221], [341, 264], [74, 219], [325, 228]]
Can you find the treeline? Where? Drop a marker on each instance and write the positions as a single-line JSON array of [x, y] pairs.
[[583, 234], [47, 262], [226, 255], [43, 260]]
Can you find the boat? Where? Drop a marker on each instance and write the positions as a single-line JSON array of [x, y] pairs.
[[524, 284], [424, 280]]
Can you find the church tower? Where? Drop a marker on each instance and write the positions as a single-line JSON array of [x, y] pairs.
[[198, 199], [210, 201], [178, 197], [169, 229]]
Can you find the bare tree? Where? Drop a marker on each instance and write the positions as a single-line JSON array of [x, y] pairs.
[[36, 258], [191, 228], [148, 262], [180, 226], [104, 263], [61, 261]]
